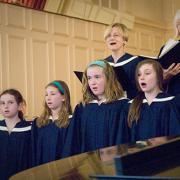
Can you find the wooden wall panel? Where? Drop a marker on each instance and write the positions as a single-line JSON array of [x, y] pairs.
[[159, 40], [81, 58], [17, 62], [15, 16], [40, 72], [1, 13], [39, 21], [61, 25], [97, 31], [132, 41], [145, 41], [62, 62], [1, 73], [98, 53], [80, 29]]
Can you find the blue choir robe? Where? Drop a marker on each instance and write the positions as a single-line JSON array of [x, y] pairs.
[[160, 118], [125, 70], [177, 101], [96, 126], [15, 148], [47, 142], [166, 57]]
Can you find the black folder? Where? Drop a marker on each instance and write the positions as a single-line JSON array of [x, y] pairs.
[[166, 58], [79, 75]]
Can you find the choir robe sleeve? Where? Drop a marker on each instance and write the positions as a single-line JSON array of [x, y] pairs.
[[177, 102], [174, 122], [72, 143], [34, 136], [120, 132]]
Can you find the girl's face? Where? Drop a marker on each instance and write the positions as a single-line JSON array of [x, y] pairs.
[[53, 98], [115, 39], [147, 78], [96, 81], [9, 106]]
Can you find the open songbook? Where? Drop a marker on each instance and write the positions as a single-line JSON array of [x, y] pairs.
[[169, 53]]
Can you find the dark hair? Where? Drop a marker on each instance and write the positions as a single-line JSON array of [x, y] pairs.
[[66, 110], [135, 107], [18, 97]]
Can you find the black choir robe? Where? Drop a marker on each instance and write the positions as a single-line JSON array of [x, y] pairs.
[[15, 149], [160, 118], [96, 126]]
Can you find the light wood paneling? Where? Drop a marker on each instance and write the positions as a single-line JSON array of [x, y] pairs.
[[15, 17], [1, 73], [39, 21], [61, 25], [40, 72], [97, 32], [17, 62], [80, 29], [62, 63], [98, 53]]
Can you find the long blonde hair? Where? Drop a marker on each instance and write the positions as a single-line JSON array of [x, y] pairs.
[[65, 111], [135, 107], [113, 89]]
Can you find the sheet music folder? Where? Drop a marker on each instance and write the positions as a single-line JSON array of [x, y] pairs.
[[120, 73], [170, 54], [79, 75]]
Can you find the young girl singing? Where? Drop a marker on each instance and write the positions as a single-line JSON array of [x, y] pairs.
[[100, 119], [152, 113], [49, 130]]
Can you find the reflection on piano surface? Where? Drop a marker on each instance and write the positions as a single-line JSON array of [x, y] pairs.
[[157, 157]]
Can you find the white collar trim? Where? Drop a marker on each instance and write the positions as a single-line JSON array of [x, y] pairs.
[[97, 102], [123, 62], [28, 128], [157, 99], [160, 99]]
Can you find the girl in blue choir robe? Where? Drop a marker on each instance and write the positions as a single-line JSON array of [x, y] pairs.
[[116, 37], [152, 113], [100, 119], [50, 129], [15, 146]]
